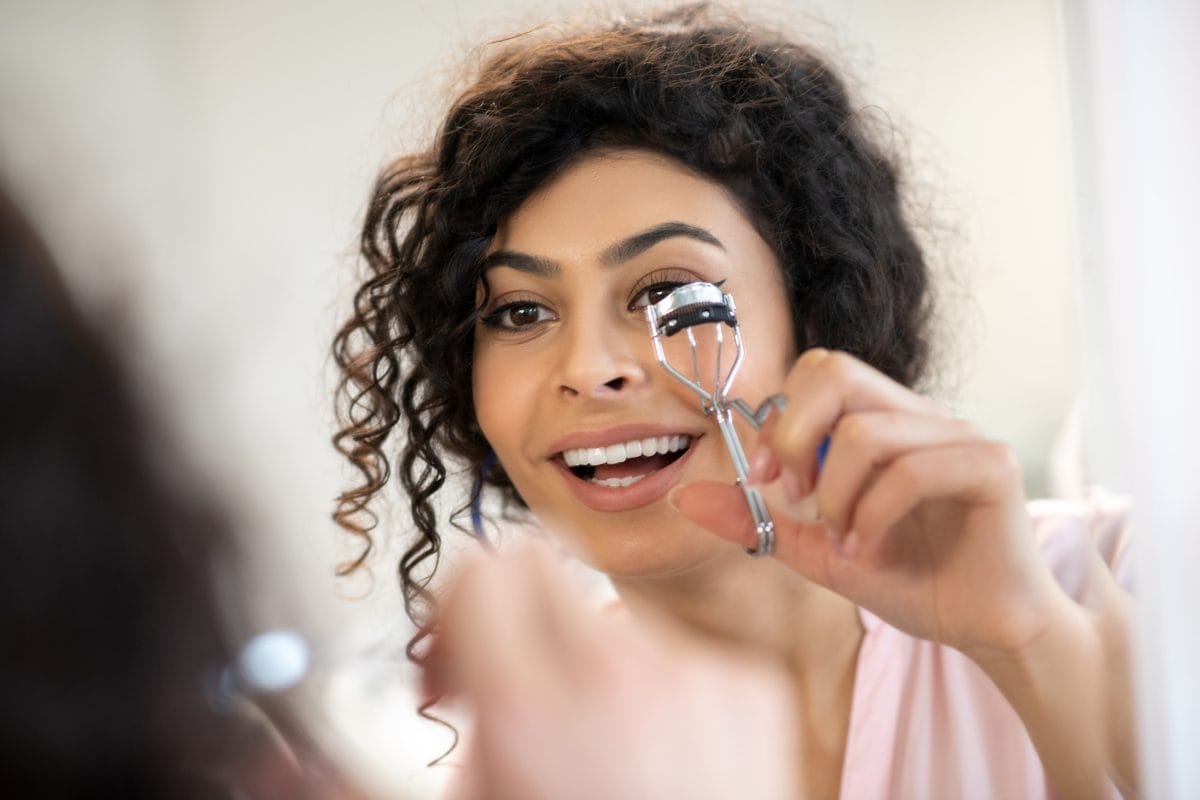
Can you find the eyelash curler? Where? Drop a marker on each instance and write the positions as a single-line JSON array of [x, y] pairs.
[[682, 311]]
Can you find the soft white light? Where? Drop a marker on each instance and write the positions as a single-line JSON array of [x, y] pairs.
[[274, 661], [1136, 129]]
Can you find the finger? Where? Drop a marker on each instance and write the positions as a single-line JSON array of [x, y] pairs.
[[764, 466], [977, 473], [530, 658], [864, 442], [496, 640], [571, 631], [822, 386], [803, 545], [718, 507]]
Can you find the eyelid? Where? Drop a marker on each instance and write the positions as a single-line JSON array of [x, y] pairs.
[[658, 276], [675, 276], [510, 298]]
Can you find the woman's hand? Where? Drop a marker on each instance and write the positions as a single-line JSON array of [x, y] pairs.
[[568, 702], [918, 518], [914, 515]]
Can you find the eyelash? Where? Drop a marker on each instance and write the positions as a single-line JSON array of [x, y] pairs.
[[664, 279]]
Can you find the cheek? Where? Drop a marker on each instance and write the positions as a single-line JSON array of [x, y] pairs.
[[485, 393], [502, 399], [765, 311], [769, 341]]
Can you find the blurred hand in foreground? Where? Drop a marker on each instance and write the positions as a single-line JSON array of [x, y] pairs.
[[571, 702]]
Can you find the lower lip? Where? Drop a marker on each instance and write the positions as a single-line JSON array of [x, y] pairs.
[[650, 488]]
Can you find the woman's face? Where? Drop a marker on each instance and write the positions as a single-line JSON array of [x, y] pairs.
[[564, 364]]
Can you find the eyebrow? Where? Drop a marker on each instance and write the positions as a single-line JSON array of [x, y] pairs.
[[639, 243], [614, 255], [535, 265]]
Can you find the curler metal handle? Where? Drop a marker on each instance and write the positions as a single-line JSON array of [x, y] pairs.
[[682, 310], [758, 417], [764, 526]]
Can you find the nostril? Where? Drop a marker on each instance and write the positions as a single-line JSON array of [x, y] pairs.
[[616, 384]]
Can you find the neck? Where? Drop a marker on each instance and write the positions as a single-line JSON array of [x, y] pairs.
[[760, 604]]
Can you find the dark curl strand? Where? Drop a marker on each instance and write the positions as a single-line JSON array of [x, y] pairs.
[[764, 117]]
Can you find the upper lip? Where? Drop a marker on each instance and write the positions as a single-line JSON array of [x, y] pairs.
[[618, 434]]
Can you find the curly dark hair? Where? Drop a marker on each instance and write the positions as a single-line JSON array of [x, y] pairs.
[[765, 117]]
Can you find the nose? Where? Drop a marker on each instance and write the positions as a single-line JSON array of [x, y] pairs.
[[601, 361]]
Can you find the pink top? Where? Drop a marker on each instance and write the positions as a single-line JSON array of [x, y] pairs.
[[927, 723]]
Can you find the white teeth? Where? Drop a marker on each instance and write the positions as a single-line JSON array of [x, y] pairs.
[[616, 453], [617, 483]]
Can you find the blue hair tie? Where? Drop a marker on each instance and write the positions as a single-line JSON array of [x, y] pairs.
[[485, 469]]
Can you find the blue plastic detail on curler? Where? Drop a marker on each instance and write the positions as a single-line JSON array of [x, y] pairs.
[[822, 451]]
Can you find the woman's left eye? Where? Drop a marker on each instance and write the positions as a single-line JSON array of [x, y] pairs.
[[653, 293]]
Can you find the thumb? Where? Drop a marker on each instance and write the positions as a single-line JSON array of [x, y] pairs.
[[720, 508]]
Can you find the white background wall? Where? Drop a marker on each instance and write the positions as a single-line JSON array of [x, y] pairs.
[[201, 167], [1133, 66]]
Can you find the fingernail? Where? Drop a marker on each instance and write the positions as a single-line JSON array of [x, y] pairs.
[[850, 545], [760, 462]]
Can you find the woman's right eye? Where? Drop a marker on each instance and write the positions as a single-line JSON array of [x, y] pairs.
[[653, 293], [518, 316]]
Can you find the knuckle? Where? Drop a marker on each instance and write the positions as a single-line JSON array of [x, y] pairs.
[[855, 430], [783, 435], [940, 409], [967, 429], [812, 357], [787, 437], [907, 473], [1003, 461], [840, 365]]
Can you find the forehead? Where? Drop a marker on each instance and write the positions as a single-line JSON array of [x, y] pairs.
[[608, 195]]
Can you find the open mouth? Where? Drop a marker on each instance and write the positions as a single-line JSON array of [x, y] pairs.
[[620, 465]]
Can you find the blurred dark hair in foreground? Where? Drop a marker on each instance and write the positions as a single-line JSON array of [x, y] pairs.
[[107, 611]]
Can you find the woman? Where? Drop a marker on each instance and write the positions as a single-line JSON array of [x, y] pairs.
[[577, 180]]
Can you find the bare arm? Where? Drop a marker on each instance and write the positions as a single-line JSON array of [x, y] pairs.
[[1072, 688]]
